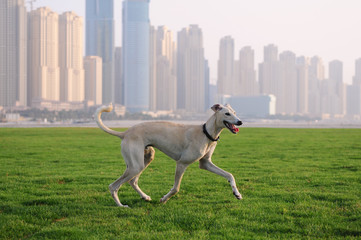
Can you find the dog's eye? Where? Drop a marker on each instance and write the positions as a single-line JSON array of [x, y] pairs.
[[228, 114]]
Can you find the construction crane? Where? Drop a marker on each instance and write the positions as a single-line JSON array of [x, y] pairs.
[[31, 3]]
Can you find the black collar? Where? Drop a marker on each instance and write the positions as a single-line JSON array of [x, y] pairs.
[[207, 134]]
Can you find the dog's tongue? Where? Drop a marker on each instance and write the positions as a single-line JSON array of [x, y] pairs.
[[234, 128]]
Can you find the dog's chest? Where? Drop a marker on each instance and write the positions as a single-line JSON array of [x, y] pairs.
[[209, 149]]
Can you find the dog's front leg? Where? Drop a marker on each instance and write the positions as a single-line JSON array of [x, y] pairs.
[[208, 165], [180, 169]]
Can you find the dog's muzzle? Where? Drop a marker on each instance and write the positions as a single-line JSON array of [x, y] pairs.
[[232, 127]]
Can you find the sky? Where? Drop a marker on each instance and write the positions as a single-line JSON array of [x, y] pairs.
[[330, 29]]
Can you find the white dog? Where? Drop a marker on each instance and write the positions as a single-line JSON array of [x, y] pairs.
[[186, 144]]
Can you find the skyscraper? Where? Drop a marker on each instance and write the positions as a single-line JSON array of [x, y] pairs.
[[135, 45], [354, 93], [225, 81], [333, 90], [338, 87], [71, 57], [93, 79], [207, 88], [100, 40], [335, 71], [44, 53], [245, 74], [302, 66], [289, 78], [152, 68], [191, 70], [316, 74], [166, 90], [357, 77], [13, 53], [118, 81], [270, 79]]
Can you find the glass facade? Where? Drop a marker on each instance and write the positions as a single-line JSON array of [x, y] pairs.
[[100, 40], [135, 45]]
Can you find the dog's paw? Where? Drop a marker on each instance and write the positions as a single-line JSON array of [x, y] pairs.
[[147, 198], [238, 196]]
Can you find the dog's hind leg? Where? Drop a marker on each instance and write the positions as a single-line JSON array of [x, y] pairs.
[[134, 159], [148, 158], [114, 187]]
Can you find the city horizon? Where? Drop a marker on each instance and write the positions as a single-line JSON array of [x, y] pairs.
[[165, 13], [159, 68]]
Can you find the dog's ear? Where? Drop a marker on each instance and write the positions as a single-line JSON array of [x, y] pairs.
[[216, 107]]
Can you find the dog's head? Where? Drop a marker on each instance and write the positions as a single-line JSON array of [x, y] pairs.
[[226, 117]]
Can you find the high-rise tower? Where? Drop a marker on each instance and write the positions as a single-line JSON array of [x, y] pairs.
[[44, 54], [245, 74], [13, 53], [135, 46], [354, 93], [333, 90], [270, 79], [100, 40], [288, 96], [357, 77], [93, 79], [225, 81], [316, 74], [191, 70], [166, 90], [71, 57]]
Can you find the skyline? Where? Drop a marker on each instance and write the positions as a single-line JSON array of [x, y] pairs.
[[256, 24]]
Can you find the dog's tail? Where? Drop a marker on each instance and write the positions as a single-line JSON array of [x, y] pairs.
[[100, 123]]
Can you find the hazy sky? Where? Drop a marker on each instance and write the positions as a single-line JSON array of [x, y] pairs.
[[330, 29]]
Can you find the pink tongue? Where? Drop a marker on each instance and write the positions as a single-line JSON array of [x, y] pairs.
[[235, 129]]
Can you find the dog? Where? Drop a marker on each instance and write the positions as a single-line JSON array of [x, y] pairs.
[[186, 144]]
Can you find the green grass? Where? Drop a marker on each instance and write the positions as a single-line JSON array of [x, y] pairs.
[[296, 184]]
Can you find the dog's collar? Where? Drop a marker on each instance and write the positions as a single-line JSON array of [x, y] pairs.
[[207, 134]]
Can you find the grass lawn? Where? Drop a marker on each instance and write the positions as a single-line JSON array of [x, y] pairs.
[[296, 184]]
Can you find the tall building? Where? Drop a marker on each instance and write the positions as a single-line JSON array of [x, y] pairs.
[[302, 66], [13, 53], [71, 57], [245, 74], [152, 68], [135, 45], [93, 80], [354, 101], [43, 69], [190, 70], [118, 81], [225, 81], [207, 88], [316, 74], [289, 79], [166, 82], [100, 40], [333, 90], [357, 78], [354, 93], [335, 71], [270, 78], [270, 53]]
